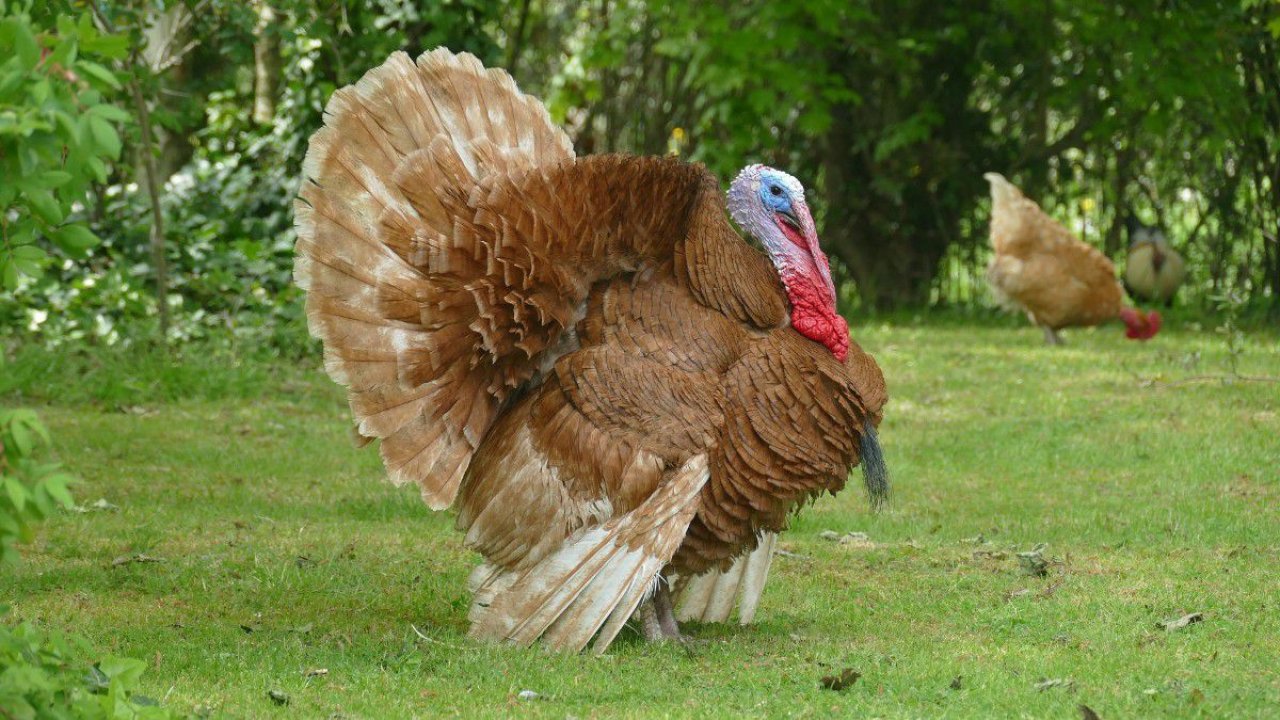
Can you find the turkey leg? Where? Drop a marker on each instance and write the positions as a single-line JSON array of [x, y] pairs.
[[657, 616], [1051, 336], [666, 612]]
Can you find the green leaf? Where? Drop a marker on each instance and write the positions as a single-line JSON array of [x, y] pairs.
[[25, 44], [44, 206], [17, 493], [105, 136], [110, 112], [22, 439], [8, 273], [29, 260], [126, 670], [48, 180], [39, 92], [56, 486], [96, 72], [98, 167], [9, 81], [75, 240], [67, 124], [110, 46]]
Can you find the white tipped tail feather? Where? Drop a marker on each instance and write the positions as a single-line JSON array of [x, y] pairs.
[[379, 199], [597, 578], [711, 596]]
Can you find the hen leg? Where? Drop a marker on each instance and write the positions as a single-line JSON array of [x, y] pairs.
[[1051, 336]]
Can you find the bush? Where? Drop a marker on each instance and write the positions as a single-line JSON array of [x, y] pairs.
[[42, 675], [56, 135], [31, 490]]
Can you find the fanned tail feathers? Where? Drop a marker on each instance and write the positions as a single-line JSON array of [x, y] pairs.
[[382, 184]]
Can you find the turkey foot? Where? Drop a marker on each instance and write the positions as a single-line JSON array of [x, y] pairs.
[[1051, 336], [657, 616]]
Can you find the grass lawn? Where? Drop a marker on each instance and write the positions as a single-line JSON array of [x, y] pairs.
[[279, 549]]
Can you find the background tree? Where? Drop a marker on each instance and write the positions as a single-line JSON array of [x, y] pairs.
[[890, 111]]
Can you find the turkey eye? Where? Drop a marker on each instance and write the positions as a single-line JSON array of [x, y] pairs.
[[775, 190]]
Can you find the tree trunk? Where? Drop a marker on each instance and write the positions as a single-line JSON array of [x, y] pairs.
[[266, 64], [1120, 209]]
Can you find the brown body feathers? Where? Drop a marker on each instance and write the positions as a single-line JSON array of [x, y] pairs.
[[579, 354]]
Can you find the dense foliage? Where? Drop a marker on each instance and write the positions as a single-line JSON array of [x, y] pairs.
[[32, 489], [891, 112], [42, 677], [56, 135]]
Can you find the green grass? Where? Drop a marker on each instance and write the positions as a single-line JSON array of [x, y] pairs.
[[282, 549]]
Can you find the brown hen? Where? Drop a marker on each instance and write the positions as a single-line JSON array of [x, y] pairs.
[[1040, 268]]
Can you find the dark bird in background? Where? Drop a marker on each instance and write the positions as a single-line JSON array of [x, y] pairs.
[[1153, 269]]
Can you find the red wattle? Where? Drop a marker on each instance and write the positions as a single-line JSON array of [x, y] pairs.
[[813, 315]]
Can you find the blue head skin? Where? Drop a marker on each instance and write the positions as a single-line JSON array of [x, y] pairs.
[[775, 195], [770, 205]]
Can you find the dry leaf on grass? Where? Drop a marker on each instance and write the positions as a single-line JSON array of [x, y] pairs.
[[843, 681], [1184, 621]]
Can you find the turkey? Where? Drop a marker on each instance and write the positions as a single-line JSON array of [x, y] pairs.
[[1153, 270], [1040, 268], [623, 400]]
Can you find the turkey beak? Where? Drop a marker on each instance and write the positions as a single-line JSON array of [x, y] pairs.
[[790, 218]]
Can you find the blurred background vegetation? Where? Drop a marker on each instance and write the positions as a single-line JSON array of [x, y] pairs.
[[175, 132]]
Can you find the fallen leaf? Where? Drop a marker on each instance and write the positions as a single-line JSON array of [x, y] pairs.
[[955, 682], [527, 695], [843, 681], [100, 504], [1087, 713], [278, 697], [1033, 562], [1182, 622], [850, 538], [788, 554], [139, 558], [316, 672], [1053, 683], [1049, 591], [1196, 697]]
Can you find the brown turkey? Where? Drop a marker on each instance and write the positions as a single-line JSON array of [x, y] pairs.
[[623, 399]]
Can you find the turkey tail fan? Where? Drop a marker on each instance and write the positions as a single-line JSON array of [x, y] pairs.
[[384, 180], [875, 474]]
